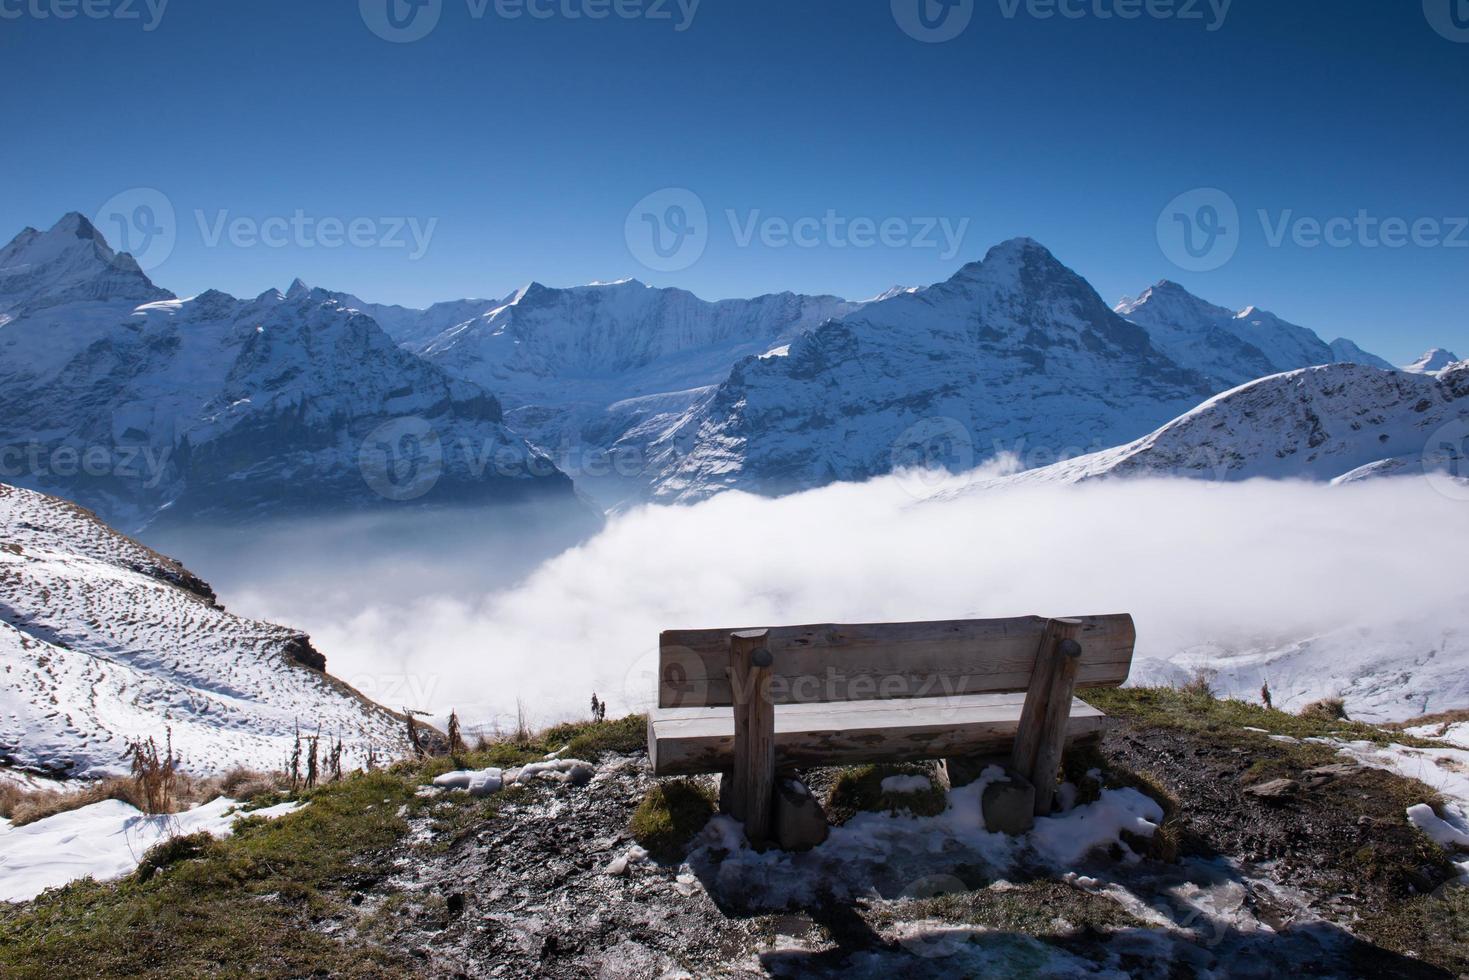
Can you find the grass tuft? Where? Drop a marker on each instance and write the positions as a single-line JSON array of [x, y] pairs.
[[859, 789], [669, 816]]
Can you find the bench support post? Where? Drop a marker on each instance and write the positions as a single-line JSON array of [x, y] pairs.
[[1042, 732], [753, 785]]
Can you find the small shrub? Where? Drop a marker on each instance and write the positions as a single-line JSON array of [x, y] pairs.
[[169, 852], [1327, 709], [669, 816], [860, 789], [1201, 685], [154, 775]]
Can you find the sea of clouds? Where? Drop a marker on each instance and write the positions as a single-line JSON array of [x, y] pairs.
[[1357, 590]]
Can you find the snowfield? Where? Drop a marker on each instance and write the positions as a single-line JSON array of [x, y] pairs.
[[103, 841], [103, 641]]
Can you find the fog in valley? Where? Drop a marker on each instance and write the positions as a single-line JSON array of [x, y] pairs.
[[1314, 589]]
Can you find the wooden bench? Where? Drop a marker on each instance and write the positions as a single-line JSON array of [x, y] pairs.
[[754, 702]]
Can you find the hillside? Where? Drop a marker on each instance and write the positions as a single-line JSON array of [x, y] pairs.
[[1266, 842], [103, 641]]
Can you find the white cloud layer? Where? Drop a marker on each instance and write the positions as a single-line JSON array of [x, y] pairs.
[[1370, 576]]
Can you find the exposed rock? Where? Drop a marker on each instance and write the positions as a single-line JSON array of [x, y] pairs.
[[1275, 789], [1009, 804], [800, 822]]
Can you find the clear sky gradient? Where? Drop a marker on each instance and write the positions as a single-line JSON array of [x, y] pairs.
[[529, 140]]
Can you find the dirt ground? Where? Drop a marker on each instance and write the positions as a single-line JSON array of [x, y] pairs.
[[1316, 883]]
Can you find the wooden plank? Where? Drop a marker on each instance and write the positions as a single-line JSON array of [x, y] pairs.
[[1033, 715], [885, 661], [758, 774], [689, 741]]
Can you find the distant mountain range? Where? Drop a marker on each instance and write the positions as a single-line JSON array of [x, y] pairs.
[[151, 409], [219, 409]]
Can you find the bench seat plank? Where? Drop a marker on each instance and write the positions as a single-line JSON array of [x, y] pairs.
[[689, 741], [885, 661]]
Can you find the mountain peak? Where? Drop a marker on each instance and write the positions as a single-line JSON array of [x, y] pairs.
[[297, 289], [70, 262], [77, 224], [1432, 361]]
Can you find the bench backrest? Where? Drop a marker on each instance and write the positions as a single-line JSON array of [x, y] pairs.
[[880, 661]]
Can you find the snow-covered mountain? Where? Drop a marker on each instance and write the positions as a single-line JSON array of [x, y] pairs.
[[1014, 353], [225, 409], [586, 368], [413, 328], [1232, 347], [1336, 422], [1432, 362], [103, 641], [71, 263]]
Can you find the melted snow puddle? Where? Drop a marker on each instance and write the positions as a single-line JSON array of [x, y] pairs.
[[104, 841]]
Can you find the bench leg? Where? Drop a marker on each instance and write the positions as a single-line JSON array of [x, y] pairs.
[[753, 785], [1042, 733]]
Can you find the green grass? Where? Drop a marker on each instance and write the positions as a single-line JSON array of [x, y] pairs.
[[859, 789], [252, 904], [1198, 712], [669, 816]]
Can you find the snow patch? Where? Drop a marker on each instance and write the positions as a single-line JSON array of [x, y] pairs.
[[104, 841]]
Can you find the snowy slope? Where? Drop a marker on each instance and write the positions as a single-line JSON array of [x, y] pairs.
[[1232, 347], [1015, 352], [224, 409], [1432, 361], [103, 641], [1335, 422]]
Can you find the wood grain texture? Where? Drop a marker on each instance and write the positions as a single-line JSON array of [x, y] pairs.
[[887, 661], [689, 741], [1064, 657]]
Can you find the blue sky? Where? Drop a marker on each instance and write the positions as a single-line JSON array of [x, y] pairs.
[[524, 143]]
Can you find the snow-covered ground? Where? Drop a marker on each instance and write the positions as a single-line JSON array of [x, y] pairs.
[[104, 841], [902, 854], [103, 641]]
